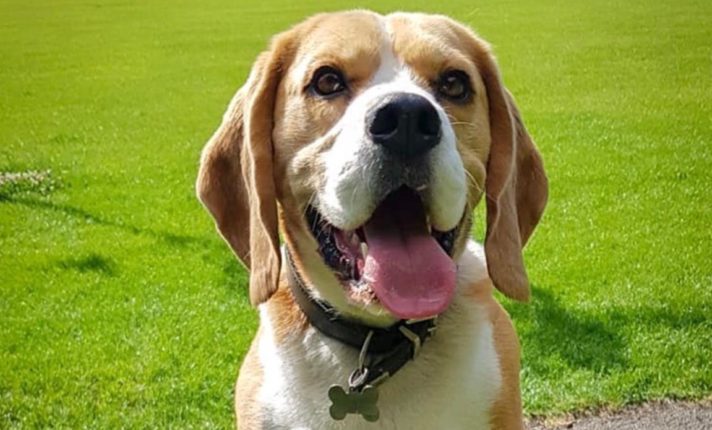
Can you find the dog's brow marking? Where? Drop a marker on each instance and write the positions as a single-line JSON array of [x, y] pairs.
[[390, 68]]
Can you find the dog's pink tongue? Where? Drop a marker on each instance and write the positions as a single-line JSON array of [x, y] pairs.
[[406, 267]]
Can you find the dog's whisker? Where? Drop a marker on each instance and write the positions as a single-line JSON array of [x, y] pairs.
[[463, 123], [310, 203], [474, 182]]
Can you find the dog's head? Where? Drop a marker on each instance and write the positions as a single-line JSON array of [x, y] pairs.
[[371, 139]]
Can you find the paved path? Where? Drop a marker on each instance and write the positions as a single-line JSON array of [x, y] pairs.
[[651, 416]]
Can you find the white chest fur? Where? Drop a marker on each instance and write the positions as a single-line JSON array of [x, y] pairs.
[[450, 385]]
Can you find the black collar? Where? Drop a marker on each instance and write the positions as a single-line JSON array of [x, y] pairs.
[[387, 350]]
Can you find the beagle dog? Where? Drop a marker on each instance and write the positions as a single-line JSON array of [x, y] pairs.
[[366, 141]]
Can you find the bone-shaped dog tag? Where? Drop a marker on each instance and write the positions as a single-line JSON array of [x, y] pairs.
[[353, 402]]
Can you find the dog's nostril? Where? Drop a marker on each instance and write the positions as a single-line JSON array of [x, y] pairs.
[[407, 125], [429, 123], [385, 122]]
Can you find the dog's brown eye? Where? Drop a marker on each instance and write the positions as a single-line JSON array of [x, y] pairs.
[[327, 81], [454, 85]]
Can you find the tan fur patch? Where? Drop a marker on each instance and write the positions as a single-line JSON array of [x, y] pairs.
[[247, 410], [506, 412], [507, 409], [287, 319]]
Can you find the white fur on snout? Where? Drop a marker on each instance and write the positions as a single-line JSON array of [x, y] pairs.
[[347, 199], [447, 195], [349, 195]]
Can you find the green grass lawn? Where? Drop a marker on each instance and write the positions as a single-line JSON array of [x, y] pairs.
[[120, 306]]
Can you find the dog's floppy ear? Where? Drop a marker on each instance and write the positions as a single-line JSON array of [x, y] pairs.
[[516, 188], [236, 181]]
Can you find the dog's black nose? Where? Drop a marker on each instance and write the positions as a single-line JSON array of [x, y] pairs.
[[407, 125]]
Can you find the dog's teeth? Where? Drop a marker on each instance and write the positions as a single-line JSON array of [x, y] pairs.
[[354, 239], [364, 249]]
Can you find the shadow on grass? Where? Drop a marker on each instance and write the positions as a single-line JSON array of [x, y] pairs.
[[167, 237], [550, 333], [595, 339], [234, 274], [90, 263], [236, 279]]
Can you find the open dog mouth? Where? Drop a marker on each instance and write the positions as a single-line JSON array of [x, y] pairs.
[[395, 258]]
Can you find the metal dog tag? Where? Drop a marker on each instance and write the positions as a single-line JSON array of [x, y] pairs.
[[353, 402]]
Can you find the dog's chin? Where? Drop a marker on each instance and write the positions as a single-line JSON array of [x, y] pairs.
[[396, 265]]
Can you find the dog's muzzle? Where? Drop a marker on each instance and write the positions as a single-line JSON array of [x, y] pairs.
[[393, 200]]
